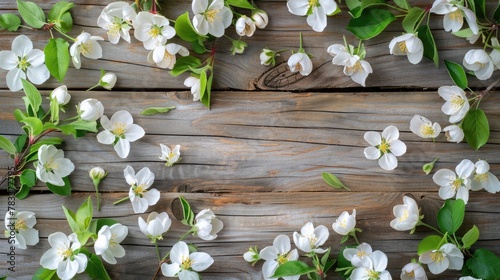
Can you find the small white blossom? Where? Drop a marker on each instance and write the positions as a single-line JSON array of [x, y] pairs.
[[61, 95], [252, 255], [90, 109], [345, 223], [86, 45], [480, 63], [447, 256], [19, 225], [207, 225], [194, 84], [300, 62], [316, 11], [373, 268], [413, 271], [268, 56], [186, 265], [354, 65], [117, 18], [107, 244], [260, 18], [424, 128], [164, 56], [211, 17], [456, 105], [23, 61], [454, 15], [97, 173], [52, 166], [170, 156], [278, 254], [245, 26], [153, 30], [140, 193], [310, 238], [385, 147], [454, 133], [155, 226], [119, 131], [408, 44], [482, 178], [358, 255], [457, 182], [407, 215], [108, 80]]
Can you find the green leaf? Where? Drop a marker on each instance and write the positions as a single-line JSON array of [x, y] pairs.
[[66, 22], [484, 264], [33, 95], [470, 237], [27, 180], [333, 181], [429, 243], [185, 29], [476, 128], [84, 215], [156, 110], [20, 142], [204, 98], [463, 33], [371, 23], [412, 19], [430, 50], [451, 216], [71, 218], [480, 8], [34, 125], [9, 22], [457, 73], [198, 46], [57, 57], [96, 269], [54, 111], [356, 7], [59, 8], [291, 268], [7, 146], [45, 274], [19, 115], [240, 4], [76, 127], [427, 168], [402, 4], [61, 190], [31, 13], [188, 213], [183, 64]]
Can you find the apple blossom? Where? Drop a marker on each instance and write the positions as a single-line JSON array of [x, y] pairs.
[[373, 268], [90, 109], [407, 215], [454, 133], [252, 255], [237, 46], [108, 241], [64, 256], [300, 62], [454, 14], [108, 80], [170, 156], [155, 226], [61, 95], [268, 57], [194, 84], [140, 195], [86, 45], [385, 147], [413, 271], [480, 63], [97, 173], [117, 18], [310, 238], [186, 265], [354, 65], [457, 182], [211, 17], [52, 166], [448, 256], [483, 178], [23, 62], [260, 18], [358, 255], [316, 11], [345, 223], [119, 131], [424, 128], [19, 226], [153, 30], [276, 255], [408, 44], [456, 105], [207, 225], [164, 56], [245, 26]]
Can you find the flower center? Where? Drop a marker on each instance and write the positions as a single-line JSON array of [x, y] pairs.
[[410, 274], [87, 47], [402, 47], [373, 275], [171, 156], [361, 254], [427, 130], [457, 183], [50, 166], [155, 31], [298, 67], [23, 63], [437, 256], [384, 147], [115, 27], [404, 216], [212, 15], [140, 190], [186, 263], [118, 129], [282, 258], [457, 16], [343, 223], [312, 239], [356, 67], [65, 253], [481, 177], [313, 3], [457, 101], [20, 225]]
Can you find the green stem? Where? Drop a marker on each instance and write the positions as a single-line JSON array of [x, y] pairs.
[[121, 200], [93, 87], [98, 199], [394, 7], [64, 34], [300, 43], [353, 234], [158, 251], [420, 223]]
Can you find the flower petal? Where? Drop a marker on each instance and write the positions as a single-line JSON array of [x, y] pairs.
[[388, 162]]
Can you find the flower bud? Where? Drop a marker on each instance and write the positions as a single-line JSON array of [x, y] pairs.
[[260, 18], [97, 173], [108, 80], [267, 57], [61, 95], [245, 26], [454, 133], [252, 255], [91, 109], [238, 46]]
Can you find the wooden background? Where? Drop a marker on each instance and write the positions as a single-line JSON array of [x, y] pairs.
[[256, 158]]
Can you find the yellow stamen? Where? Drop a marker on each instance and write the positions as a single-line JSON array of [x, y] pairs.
[[64, 252], [23, 64], [212, 15], [457, 101], [457, 16], [186, 263], [313, 3], [404, 216], [481, 177], [282, 258], [356, 67], [427, 130], [155, 31], [384, 147], [457, 184], [140, 190], [402, 47], [20, 225], [118, 129], [437, 256]]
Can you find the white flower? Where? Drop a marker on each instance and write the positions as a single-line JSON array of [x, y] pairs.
[[424, 128], [63, 256], [407, 44], [267, 56], [117, 19], [140, 195], [252, 255], [457, 182], [345, 223], [185, 265], [108, 80], [23, 61], [480, 63], [310, 238], [354, 66], [482, 178], [413, 271], [454, 133], [170, 156], [90, 109], [316, 11], [456, 105], [52, 166], [260, 18], [358, 255], [153, 30], [211, 17], [155, 226], [407, 215], [207, 225], [454, 15], [278, 254], [447, 256], [108, 241], [61, 95], [300, 62], [97, 173], [19, 225], [87, 45], [164, 56], [120, 130], [245, 26], [194, 84], [374, 267], [385, 148]]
